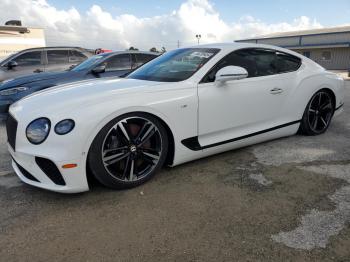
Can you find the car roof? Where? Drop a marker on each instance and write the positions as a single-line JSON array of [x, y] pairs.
[[53, 47], [130, 52], [235, 45]]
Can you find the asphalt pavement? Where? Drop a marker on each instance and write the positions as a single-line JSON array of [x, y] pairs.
[[284, 200]]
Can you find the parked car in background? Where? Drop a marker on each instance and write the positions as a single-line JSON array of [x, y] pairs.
[[43, 59], [104, 65]]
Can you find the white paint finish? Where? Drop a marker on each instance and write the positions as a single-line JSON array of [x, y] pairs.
[[237, 106], [244, 107], [317, 227]]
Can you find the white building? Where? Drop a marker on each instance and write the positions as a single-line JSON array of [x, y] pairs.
[[17, 38]]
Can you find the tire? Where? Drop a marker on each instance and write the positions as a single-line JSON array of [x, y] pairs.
[[318, 114], [128, 151]]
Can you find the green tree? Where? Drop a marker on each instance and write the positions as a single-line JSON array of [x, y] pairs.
[[153, 49], [133, 48], [163, 50]]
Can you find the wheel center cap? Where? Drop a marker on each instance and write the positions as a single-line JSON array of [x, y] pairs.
[[133, 149]]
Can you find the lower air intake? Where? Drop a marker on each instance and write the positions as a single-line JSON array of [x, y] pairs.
[[51, 170]]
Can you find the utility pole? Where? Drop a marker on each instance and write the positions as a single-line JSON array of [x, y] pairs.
[[198, 38]]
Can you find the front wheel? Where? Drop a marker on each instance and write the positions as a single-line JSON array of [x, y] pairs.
[[318, 114], [128, 151]]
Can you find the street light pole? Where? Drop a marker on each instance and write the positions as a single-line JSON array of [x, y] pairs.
[[198, 38]]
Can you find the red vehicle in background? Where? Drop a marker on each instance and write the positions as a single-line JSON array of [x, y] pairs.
[[101, 51]]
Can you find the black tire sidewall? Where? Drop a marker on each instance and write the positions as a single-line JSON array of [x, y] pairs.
[[95, 158], [305, 126]]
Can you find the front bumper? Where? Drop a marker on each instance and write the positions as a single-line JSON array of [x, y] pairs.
[[28, 170]]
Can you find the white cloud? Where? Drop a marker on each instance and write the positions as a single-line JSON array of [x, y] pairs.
[[99, 28]]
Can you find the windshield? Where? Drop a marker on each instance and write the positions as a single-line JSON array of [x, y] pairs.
[[88, 63], [174, 66]]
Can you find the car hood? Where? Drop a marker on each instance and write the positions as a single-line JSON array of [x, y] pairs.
[[54, 77], [83, 94]]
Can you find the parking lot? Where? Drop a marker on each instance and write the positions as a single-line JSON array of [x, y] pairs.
[[284, 200]]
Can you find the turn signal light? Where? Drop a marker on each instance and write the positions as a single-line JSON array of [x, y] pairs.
[[66, 166]]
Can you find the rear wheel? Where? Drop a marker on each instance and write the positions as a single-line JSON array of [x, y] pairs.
[[128, 150], [318, 114]]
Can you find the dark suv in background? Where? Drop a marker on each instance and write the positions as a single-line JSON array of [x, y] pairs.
[[45, 59], [114, 64]]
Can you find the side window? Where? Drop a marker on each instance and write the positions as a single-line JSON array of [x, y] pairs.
[[287, 63], [142, 59], [55, 57], [29, 59], [76, 56], [257, 62], [265, 62], [241, 58], [118, 62]]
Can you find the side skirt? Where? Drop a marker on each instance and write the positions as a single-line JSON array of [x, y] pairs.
[[193, 143]]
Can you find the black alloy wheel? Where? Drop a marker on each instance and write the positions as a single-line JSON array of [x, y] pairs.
[[318, 114], [128, 150]]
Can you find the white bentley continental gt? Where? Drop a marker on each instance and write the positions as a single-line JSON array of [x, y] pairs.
[[186, 104]]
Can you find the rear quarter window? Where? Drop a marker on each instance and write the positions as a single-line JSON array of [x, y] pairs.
[[287, 63]]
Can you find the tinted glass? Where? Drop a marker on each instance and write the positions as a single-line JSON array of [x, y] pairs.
[[144, 58], [286, 63], [118, 62], [29, 59], [174, 66], [234, 59], [257, 62], [57, 56], [89, 64], [76, 56], [264, 59]]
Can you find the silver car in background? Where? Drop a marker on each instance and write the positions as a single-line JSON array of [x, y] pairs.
[[44, 59]]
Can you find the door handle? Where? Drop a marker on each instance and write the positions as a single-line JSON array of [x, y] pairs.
[[38, 71], [276, 90]]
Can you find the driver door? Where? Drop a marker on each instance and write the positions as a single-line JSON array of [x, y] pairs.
[[238, 108]]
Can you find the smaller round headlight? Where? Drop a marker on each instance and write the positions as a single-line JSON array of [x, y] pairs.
[[38, 130], [64, 127]]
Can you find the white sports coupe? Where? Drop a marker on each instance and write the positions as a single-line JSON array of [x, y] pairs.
[[186, 104]]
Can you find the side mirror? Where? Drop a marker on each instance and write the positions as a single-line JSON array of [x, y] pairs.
[[99, 69], [229, 73], [11, 64]]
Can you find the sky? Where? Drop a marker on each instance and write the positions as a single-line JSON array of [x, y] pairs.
[[144, 24]]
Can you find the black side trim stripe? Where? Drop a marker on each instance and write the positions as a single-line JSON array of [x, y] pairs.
[[193, 143], [339, 107]]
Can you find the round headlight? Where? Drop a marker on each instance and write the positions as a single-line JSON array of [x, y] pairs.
[[64, 127], [38, 130]]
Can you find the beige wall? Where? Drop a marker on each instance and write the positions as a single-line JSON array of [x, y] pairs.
[[340, 57], [11, 42]]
